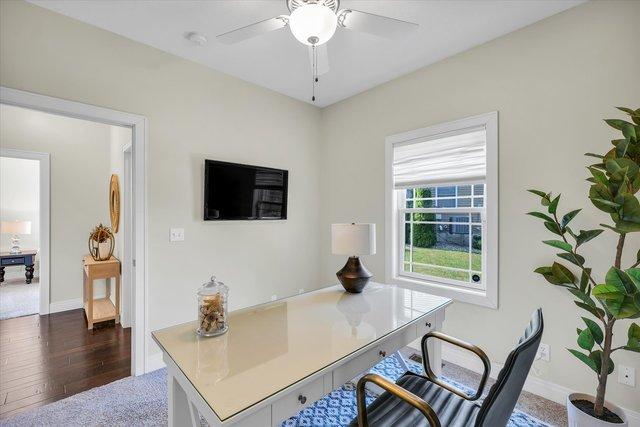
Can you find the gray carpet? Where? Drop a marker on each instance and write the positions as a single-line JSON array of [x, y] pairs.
[[18, 298], [132, 401], [142, 401]]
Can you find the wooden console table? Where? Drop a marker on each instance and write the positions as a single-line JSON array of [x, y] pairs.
[[102, 309], [26, 258]]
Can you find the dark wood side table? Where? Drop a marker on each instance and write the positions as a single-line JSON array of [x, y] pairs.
[[26, 258]]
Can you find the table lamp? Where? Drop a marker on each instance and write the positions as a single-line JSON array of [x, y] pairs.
[[353, 240], [16, 228]]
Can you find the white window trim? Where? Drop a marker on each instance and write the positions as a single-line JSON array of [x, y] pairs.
[[489, 296]]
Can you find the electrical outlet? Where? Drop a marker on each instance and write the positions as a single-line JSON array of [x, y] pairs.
[[543, 352], [274, 297], [627, 375], [176, 234]]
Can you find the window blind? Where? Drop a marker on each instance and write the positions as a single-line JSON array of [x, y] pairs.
[[450, 159]]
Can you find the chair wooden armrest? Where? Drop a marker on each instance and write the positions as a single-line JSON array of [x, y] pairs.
[[462, 344], [397, 391]]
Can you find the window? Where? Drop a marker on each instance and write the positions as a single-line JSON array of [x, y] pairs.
[[442, 209]]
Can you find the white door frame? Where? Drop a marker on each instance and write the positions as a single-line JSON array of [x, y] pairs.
[[127, 235], [44, 210], [140, 147]]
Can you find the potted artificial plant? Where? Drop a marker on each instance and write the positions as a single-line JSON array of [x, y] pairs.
[[615, 182]]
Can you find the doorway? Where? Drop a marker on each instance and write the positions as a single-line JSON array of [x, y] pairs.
[[140, 337], [24, 194]]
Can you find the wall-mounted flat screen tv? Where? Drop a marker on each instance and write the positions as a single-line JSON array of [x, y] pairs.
[[242, 192]]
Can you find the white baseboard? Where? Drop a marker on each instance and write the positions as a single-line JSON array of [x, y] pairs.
[[70, 304], [154, 362], [535, 385]]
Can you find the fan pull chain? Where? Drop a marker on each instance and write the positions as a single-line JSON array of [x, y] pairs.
[[314, 71]]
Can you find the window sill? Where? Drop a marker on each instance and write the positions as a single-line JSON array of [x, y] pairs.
[[467, 295]]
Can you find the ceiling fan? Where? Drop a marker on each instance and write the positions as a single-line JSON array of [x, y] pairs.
[[314, 22]]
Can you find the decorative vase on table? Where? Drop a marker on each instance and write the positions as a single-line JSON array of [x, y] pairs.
[[213, 317], [353, 240], [101, 243]]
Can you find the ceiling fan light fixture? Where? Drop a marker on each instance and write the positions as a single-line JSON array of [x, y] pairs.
[[313, 24]]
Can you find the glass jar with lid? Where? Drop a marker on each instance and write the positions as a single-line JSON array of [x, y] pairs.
[[212, 309]]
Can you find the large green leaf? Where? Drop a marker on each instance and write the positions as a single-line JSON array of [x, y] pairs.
[[630, 208], [575, 259], [616, 123], [566, 219], [585, 340], [618, 167], [553, 227], [586, 235], [602, 198], [599, 176], [620, 279], [548, 275], [634, 275], [629, 131], [596, 332], [541, 216], [633, 335], [563, 273], [545, 197], [598, 312], [553, 206], [586, 359], [583, 296], [584, 279], [559, 244]]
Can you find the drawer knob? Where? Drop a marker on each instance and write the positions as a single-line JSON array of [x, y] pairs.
[[302, 399], [428, 324], [383, 353]]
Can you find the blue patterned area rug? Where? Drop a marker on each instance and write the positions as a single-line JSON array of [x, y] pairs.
[[339, 407]]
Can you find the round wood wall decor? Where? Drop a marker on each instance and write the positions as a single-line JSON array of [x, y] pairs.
[[114, 203]]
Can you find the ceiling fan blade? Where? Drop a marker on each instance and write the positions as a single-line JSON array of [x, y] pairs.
[[322, 57], [377, 25], [253, 30]]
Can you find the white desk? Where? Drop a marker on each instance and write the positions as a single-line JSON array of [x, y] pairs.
[[280, 357]]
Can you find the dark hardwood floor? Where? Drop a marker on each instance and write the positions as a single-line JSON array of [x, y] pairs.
[[48, 358]]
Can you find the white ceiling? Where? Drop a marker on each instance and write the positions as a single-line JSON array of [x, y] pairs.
[[277, 61]]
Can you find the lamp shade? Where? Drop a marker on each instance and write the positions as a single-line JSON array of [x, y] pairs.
[[353, 239], [16, 227]]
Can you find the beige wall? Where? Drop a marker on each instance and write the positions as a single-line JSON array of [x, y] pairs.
[[79, 186], [19, 198], [552, 84], [194, 113]]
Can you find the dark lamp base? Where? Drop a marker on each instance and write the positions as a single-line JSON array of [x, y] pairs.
[[353, 276]]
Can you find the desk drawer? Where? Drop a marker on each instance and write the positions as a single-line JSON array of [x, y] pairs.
[[426, 325], [297, 400], [13, 261], [368, 359]]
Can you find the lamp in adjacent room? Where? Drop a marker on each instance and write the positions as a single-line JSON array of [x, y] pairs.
[[16, 228], [353, 240]]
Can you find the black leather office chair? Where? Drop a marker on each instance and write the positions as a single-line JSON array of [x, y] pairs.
[[416, 400]]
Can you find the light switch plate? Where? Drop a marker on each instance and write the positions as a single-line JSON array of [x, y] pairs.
[[627, 375], [176, 235]]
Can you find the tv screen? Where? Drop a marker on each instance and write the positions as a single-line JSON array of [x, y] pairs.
[[243, 192]]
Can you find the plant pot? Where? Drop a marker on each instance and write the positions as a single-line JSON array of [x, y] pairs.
[[577, 418]]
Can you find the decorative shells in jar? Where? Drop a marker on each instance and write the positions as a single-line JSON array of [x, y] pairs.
[[212, 309]]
